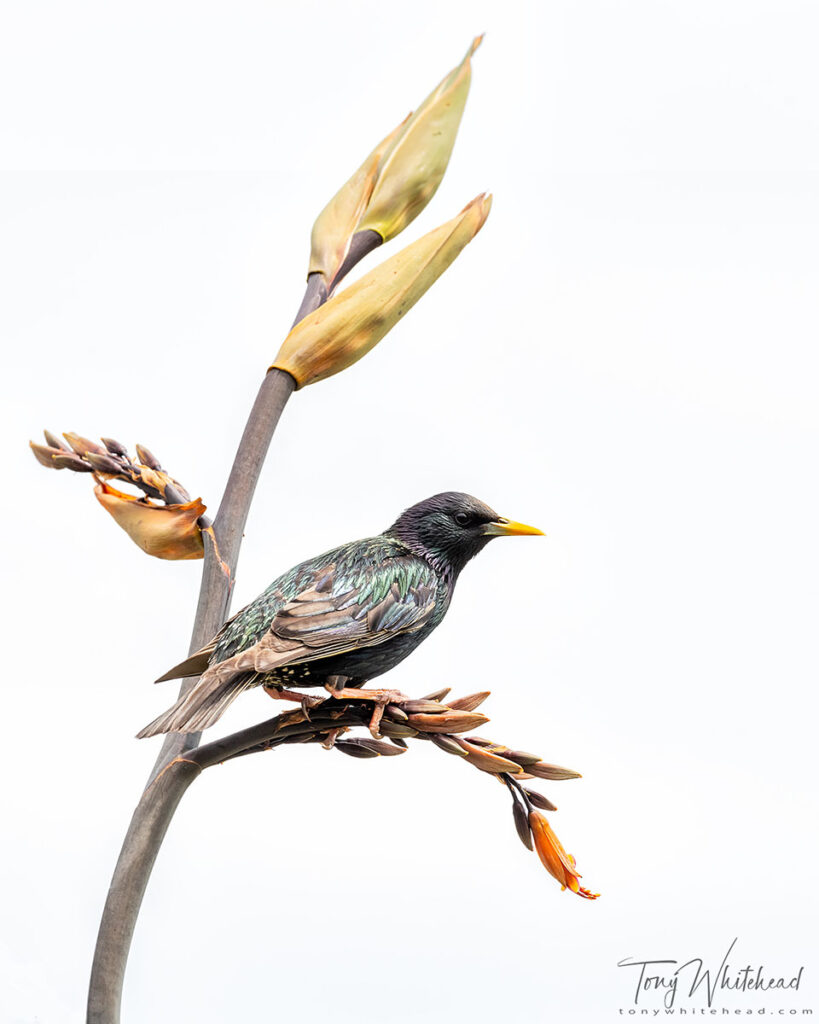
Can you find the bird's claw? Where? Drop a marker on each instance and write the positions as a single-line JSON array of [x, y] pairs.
[[380, 698], [332, 736]]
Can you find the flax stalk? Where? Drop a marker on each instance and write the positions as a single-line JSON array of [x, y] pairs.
[[174, 769]]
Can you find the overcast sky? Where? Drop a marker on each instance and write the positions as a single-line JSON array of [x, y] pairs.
[[625, 356]]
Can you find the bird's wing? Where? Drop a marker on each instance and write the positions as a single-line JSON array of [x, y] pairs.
[[328, 616], [195, 664]]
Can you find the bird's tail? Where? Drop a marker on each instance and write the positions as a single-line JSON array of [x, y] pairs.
[[201, 706]]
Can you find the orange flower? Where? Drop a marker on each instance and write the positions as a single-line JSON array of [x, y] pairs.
[[558, 863]]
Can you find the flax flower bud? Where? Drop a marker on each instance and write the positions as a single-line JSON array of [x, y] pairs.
[[448, 722], [164, 531], [338, 221], [558, 863], [352, 322], [397, 179], [414, 165]]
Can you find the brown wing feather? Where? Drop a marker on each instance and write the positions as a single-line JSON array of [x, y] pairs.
[[315, 624], [197, 663]]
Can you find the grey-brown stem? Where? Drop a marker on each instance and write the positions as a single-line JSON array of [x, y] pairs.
[[171, 775], [221, 558]]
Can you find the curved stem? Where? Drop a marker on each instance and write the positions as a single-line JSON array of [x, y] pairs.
[[139, 849], [175, 767], [223, 544]]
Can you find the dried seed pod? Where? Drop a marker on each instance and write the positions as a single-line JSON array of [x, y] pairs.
[[395, 713], [448, 744], [449, 721], [469, 703], [539, 800], [542, 770], [437, 694], [398, 742], [479, 741], [522, 824]]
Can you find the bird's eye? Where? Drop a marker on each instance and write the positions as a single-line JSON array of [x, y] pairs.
[[462, 518]]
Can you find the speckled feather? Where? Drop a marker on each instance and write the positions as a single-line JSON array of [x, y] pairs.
[[354, 612], [369, 567]]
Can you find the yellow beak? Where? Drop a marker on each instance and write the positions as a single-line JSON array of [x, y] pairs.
[[509, 528]]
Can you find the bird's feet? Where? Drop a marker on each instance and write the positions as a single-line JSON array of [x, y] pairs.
[[381, 698], [307, 701]]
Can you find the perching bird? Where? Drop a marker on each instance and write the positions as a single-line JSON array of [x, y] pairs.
[[342, 618]]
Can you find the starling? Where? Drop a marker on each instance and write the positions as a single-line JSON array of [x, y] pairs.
[[342, 618]]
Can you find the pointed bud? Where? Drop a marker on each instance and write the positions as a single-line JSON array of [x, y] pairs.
[[147, 458], [414, 165], [423, 707], [339, 220], [169, 531], [352, 322], [45, 455], [522, 824], [448, 744], [114, 447], [54, 441], [395, 713], [353, 749], [542, 770], [469, 703], [395, 730], [438, 694], [82, 445], [539, 800], [522, 758], [72, 462], [481, 758], [558, 863], [376, 746], [449, 721], [103, 463], [479, 741]]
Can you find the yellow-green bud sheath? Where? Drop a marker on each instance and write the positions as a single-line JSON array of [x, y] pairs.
[[338, 221], [414, 165], [397, 179], [352, 322]]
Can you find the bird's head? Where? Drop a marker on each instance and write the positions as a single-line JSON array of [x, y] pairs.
[[450, 528]]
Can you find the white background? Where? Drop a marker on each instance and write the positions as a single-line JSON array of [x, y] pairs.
[[625, 356]]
